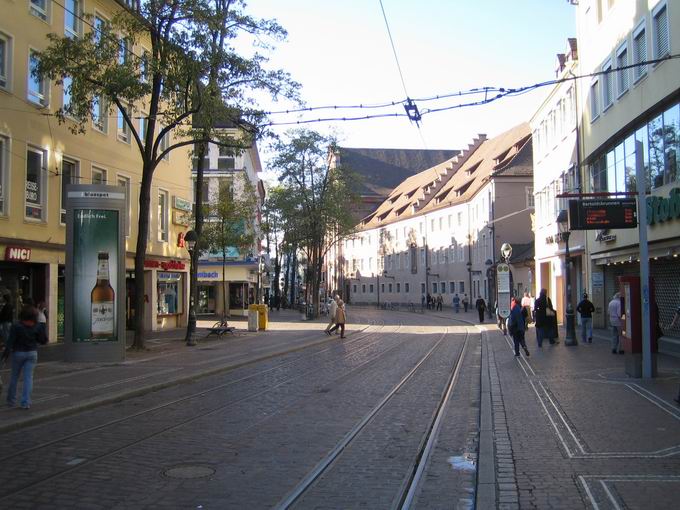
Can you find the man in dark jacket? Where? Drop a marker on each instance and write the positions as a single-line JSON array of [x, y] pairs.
[[516, 322], [546, 319], [24, 337], [480, 305], [586, 309]]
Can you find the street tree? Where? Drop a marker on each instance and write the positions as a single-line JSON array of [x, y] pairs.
[[318, 200], [170, 96]]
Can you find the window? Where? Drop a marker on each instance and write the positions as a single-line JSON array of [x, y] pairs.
[[452, 287], [5, 61], [370, 288], [389, 288], [36, 170], [422, 288], [460, 219], [363, 288], [100, 26], [442, 287], [37, 87], [594, 103], [99, 111], [4, 173], [607, 86], [382, 287], [123, 50], [622, 74], [66, 95], [39, 8], [164, 143], [354, 288], [169, 295], [398, 288], [144, 66], [70, 170], [671, 125], [660, 30], [461, 253], [434, 287], [143, 126], [639, 51], [440, 223], [98, 175], [431, 225], [461, 287], [406, 287], [226, 161], [123, 129], [125, 183], [163, 216], [72, 15]]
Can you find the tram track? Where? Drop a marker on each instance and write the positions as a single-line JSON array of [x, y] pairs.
[[413, 476], [195, 417]]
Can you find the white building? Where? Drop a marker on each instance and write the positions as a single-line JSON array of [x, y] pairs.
[[441, 230]]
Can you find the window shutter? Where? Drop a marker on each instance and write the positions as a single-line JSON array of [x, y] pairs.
[[640, 49], [661, 29]]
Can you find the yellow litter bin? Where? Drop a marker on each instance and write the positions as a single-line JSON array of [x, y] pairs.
[[252, 317], [263, 316]]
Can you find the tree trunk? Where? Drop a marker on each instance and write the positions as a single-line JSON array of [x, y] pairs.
[[140, 255], [286, 278], [198, 228]]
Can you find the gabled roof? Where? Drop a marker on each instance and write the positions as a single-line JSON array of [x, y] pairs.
[[384, 169], [458, 179]]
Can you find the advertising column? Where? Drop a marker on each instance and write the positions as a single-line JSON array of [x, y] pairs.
[[95, 273]]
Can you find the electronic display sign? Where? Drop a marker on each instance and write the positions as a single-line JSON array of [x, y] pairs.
[[605, 213]]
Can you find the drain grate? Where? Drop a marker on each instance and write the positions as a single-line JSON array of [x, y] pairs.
[[189, 471]]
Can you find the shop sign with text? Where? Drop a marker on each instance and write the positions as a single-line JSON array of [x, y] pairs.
[[165, 265], [182, 204], [17, 254], [661, 209]]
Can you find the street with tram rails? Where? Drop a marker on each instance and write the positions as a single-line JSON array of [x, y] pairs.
[[410, 410]]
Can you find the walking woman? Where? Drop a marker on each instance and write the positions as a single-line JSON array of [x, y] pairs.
[[546, 319], [340, 319], [24, 337]]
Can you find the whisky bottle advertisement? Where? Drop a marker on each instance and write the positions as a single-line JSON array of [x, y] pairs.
[[96, 268]]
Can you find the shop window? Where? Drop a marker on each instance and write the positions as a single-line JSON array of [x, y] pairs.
[[72, 16], [36, 170], [5, 61], [98, 175], [656, 152], [37, 87], [169, 297], [70, 171], [163, 216], [4, 173]]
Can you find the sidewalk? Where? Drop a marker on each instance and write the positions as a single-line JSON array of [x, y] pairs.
[[61, 388]]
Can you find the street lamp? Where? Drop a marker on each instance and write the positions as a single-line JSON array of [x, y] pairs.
[[563, 227], [190, 240], [506, 251]]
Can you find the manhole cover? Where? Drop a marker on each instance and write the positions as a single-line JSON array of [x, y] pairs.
[[188, 472]]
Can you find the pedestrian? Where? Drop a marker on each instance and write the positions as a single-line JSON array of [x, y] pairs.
[[332, 309], [500, 321], [546, 319], [456, 303], [614, 309], [429, 301], [422, 302], [466, 303], [516, 320], [22, 345], [586, 309], [6, 318], [528, 306], [340, 319], [480, 305], [440, 303]]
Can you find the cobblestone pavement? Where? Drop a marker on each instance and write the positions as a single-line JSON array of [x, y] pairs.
[[238, 422]]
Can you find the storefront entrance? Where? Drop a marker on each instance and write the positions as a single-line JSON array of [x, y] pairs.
[[23, 281], [207, 299]]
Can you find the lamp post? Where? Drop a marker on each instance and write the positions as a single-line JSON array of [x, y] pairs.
[[190, 239], [563, 225]]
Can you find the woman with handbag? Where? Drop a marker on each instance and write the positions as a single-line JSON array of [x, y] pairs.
[[546, 319]]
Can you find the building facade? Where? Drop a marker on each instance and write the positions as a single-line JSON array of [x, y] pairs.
[[440, 231], [555, 135], [39, 157], [632, 109], [227, 288]]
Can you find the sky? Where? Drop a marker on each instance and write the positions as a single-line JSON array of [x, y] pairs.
[[340, 51]]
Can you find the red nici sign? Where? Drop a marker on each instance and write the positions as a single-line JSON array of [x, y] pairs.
[[164, 265], [17, 254]]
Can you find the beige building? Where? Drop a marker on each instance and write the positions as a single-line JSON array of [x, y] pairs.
[[633, 107], [441, 230], [38, 157]]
